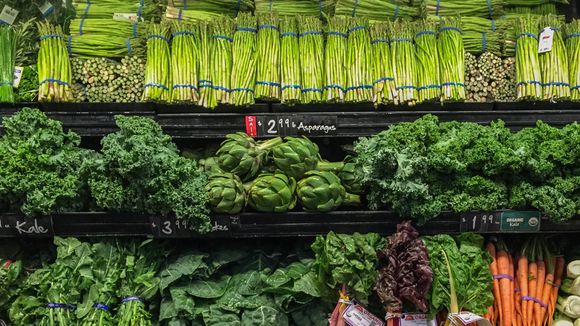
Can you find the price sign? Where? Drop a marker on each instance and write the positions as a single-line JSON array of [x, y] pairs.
[[518, 221], [8, 15], [171, 227], [467, 318], [291, 125], [46, 9], [480, 222], [357, 315], [13, 225], [125, 17], [417, 320], [17, 76], [507, 221], [546, 40]]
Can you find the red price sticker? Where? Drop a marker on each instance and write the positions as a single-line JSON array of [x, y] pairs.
[[251, 126]]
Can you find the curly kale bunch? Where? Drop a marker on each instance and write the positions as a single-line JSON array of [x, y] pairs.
[[44, 170], [141, 170]]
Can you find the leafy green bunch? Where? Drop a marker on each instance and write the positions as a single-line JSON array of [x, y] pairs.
[[44, 170], [142, 171]]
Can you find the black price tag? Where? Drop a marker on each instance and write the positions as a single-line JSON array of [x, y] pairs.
[[480, 222], [291, 125], [171, 227], [13, 225]]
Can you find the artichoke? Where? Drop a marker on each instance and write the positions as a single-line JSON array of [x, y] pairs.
[[272, 193], [226, 193], [321, 191], [210, 165], [296, 156], [241, 155], [348, 176]]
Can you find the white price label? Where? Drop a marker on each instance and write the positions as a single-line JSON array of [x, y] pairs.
[[466, 318], [125, 17], [46, 9], [417, 320], [546, 40], [8, 15], [357, 315], [17, 76]]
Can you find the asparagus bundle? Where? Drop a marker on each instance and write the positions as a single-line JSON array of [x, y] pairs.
[[383, 81], [489, 78], [158, 70], [377, 10], [528, 72], [184, 62], [544, 9], [573, 49], [311, 58], [244, 61], [221, 58], [207, 96], [359, 58], [206, 10], [106, 26], [451, 60], [268, 58], [291, 85], [54, 70], [145, 9], [427, 68], [554, 64], [103, 45], [477, 8], [482, 35], [520, 3], [7, 57], [317, 8], [334, 59], [403, 62]]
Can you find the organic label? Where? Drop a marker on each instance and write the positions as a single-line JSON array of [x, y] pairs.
[[546, 40], [125, 17], [8, 15], [518, 221], [46, 9], [357, 315], [417, 320], [17, 76]]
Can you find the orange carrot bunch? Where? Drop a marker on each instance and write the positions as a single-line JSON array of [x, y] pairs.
[[525, 287]]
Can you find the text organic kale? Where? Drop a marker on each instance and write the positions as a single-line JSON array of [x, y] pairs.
[[141, 170]]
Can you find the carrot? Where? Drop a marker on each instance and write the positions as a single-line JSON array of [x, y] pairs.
[[558, 273], [494, 271], [512, 287], [539, 288], [522, 279], [505, 287], [532, 278]]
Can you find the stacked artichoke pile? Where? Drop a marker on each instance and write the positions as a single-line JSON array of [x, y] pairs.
[[488, 78], [278, 173]]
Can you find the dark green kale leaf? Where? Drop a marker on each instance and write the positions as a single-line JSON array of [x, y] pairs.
[[141, 170]]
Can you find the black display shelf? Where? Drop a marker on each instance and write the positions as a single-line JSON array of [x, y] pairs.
[[350, 120], [245, 225]]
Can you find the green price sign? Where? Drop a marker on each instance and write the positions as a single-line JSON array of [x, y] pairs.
[[519, 221]]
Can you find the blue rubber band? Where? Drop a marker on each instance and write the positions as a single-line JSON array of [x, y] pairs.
[[180, 15], [453, 84], [52, 80], [483, 42], [493, 25], [356, 28], [263, 26], [135, 29], [48, 12], [291, 86], [533, 82], [450, 28], [351, 88], [555, 29], [184, 4], [2, 83], [402, 39], [271, 4], [333, 87], [129, 49], [354, 8], [182, 33], [69, 45], [47, 36], [223, 37], [140, 10], [489, 8], [556, 84], [239, 6], [84, 16], [206, 81], [422, 33], [383, 79], [338, 34], [247, 29], [380, 40], [575, 87], [155, 36], [396, 13], [526, 34], [406, 87], [242, 89], [437, 8], [184, 86], [572, 35], [128, 299], [309, 33], [320, 9], [53, 305], [428, 87], [156, 85], [220, 88], [306, 90], [267, 83], [101, 306], [283, 35]]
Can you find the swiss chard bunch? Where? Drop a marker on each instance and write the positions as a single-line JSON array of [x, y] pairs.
[[44, 170], [141, 170], [10, 274]]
